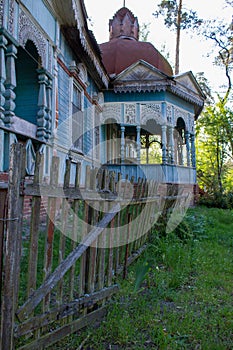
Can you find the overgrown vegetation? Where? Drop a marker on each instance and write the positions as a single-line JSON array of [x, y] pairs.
[[177, 296]]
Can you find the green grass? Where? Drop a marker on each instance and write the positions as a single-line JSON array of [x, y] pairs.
[[185, 300]]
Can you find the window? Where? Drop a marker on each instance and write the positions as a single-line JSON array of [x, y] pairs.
[[77, 119]]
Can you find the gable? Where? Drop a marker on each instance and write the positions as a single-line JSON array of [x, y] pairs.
[[139, 72], [187, 82]]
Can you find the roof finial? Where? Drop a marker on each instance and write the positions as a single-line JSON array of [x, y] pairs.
[[124, 3]]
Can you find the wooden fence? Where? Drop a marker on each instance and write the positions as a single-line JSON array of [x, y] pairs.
[[56, 276]]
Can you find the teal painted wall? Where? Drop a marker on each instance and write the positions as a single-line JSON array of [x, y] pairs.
[[66, 53], [42, 15], [110, 96], [88, 128], [63, 108]]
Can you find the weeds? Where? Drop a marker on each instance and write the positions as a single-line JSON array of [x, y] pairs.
[[184, 290]]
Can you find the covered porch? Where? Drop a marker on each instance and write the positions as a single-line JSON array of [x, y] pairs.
[[151, 141]]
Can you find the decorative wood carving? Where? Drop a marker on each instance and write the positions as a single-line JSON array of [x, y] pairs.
[[151, 111], [111, 111], [83, 73], [130, 113], [170, 118], [11, 17], [1, 12], [180, 113], [28, 31]]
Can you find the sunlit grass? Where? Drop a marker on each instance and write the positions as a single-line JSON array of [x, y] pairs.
[[186, 298]]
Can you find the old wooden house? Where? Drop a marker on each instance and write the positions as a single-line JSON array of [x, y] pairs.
[[79, 107], [116, 104]]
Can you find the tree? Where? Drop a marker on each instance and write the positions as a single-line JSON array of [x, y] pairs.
[[214, 147], [205, 86], [215, 125], [177, 18], [144, 31], [221, 34]]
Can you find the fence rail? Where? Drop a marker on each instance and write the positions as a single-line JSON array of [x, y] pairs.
[[56, 275]]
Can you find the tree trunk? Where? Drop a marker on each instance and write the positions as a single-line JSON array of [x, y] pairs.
[[177, 63]]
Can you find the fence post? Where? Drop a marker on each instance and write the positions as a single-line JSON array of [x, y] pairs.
[[11, 262]]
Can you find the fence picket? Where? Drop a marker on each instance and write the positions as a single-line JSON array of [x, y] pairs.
[[34, 227], [77, 278], [13, 240]]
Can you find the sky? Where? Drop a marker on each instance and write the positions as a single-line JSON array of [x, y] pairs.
[[193, 51]]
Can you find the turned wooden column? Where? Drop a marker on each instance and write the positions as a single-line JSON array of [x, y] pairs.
[[171, 144], [10, 84], [42, 115], [164, 144], [138, 128], [49, 108], [122, 144], [3, 43], [187, 135]]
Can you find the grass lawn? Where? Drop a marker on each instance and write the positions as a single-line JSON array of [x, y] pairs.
[[185, 300]]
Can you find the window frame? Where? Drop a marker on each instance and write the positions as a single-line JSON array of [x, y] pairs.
[[78, 144]]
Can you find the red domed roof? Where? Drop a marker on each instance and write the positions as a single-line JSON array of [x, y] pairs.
[[120, 53], [123, 49]]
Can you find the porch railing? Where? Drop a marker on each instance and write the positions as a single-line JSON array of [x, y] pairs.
[[162, 173]]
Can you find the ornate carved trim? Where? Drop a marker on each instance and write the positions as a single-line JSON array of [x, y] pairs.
[[83, 73], [187, 96], [191, 124], [1, 12], [28, 31], [85, 43], [111, 111], [151, 111], [130, 113], [11, 17], [169, 113], [139, 88], [180, 113]]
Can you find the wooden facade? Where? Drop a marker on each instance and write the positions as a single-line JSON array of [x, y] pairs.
[[59, 95], [102, 151]]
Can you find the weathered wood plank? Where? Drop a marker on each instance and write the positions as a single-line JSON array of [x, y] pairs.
[[66, 309], [20, 224], [11, 254], [65, 265], [131, 259], [110, 253], [34, 228], [58, 334], [50, 227], [3, 204]]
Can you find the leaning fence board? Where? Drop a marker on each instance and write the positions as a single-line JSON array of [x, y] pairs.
[[62, 332], [65, 265], [67, 309]]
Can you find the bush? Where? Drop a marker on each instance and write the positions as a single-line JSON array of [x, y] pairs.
[[217, 200]]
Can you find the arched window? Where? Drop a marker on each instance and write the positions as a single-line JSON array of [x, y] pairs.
[[180, 141], [151, 150]]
